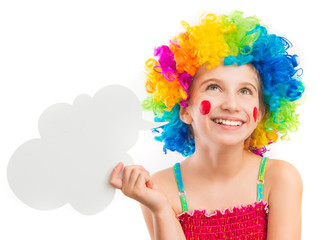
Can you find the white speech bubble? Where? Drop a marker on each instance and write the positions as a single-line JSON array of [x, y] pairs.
[[80, 144]]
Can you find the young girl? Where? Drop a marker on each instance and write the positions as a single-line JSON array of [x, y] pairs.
[[227, 89]]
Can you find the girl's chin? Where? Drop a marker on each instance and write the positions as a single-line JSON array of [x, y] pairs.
[[224, 143], [230, 139]]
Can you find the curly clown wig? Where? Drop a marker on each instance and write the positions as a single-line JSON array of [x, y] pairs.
[[238, 40]]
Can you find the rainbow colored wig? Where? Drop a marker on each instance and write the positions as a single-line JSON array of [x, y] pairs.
[[237, 40]]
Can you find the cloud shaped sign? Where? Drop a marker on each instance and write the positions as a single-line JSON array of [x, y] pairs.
[[79, 146]]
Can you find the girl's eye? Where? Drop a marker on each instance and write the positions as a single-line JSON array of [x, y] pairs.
[[245, 91], [213, 87]]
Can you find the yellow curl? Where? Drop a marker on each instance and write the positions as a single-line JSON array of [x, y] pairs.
[[205, 43], [262, 137]]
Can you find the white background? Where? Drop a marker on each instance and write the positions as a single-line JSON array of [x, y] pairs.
[[52, 51]]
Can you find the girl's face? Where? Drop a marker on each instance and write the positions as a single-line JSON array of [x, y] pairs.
[[224, 104]]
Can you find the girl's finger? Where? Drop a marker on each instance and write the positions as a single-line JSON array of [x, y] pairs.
[[149, 184], [127, 173], [115, 181], [142, 180], [144, 169], [140, 167], [135, 173], [148, 180]]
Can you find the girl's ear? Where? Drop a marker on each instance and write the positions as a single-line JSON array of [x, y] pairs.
[[185, 116], [261, 113]]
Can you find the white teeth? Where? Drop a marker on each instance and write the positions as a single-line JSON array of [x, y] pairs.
[[227, 122]]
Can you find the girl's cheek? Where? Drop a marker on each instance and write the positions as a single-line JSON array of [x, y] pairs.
[[205, 107], [255, 113]]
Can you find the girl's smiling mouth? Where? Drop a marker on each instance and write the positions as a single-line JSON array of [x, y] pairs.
[[228, 122]]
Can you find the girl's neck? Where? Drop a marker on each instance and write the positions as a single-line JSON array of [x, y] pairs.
[[217, 163]]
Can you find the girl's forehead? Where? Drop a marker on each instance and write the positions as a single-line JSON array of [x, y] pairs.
[[233, 73]]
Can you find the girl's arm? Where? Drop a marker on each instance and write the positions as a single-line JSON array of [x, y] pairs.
[[284, 219], [163, 224]]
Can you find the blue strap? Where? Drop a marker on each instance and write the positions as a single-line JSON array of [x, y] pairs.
[[178, 177], [261, 179]]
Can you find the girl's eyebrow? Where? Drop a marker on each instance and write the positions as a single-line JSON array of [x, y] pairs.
[[248, 83], [219, 81], [209, 80]]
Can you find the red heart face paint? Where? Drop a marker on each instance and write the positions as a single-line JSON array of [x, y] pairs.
[[255, 112], [205, 107]]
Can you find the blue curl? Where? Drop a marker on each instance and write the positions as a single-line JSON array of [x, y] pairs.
[[175, 134]]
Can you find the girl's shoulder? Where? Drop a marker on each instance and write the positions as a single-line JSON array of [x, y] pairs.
[[277, 169], [165, 180], [285, 197], [163, 177], [284, 182]]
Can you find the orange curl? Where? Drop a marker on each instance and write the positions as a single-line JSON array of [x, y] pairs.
[[183, 55]]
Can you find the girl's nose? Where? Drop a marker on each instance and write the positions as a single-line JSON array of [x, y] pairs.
[[230, 103]]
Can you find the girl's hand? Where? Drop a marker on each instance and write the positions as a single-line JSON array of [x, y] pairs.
[[136, 184]]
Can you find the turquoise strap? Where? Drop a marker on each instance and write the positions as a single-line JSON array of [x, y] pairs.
[[178, 178], [261, 179]]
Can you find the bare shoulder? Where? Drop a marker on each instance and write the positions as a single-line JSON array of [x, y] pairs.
[[285, 200], [282, 172], [286, 186], [165, 180], [163, 177]]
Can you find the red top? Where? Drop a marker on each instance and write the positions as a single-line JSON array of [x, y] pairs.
[[244, 222]]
